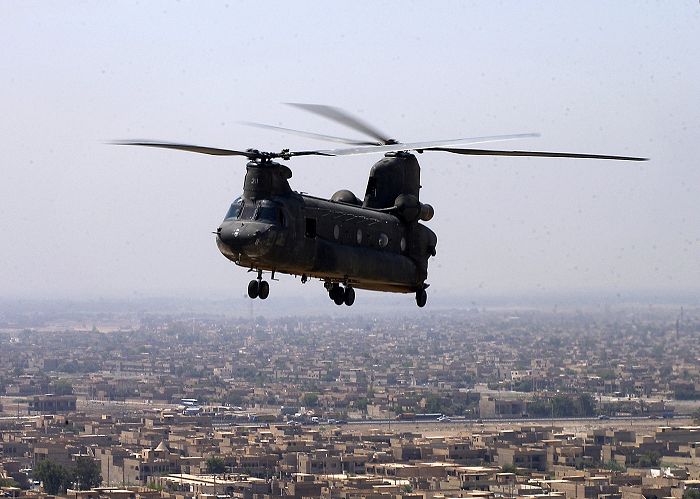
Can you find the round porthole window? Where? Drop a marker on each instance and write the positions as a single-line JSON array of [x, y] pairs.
[[403, 244], [383, 240], [336, 232], [359, 236]]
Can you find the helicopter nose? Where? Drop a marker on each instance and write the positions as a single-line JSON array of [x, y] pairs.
[[251, 238], [235, 236]]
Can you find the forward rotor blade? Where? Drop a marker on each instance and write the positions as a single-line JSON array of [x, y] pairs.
[[311, 135], [420, 146], [214, 151], [344, 118], [539, 154], [185, 147]]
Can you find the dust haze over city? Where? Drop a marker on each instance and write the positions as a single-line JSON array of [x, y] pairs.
[[558, 354]]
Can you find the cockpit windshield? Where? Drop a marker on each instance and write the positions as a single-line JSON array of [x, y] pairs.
[[265, 211], [248, 211], [235, 209]]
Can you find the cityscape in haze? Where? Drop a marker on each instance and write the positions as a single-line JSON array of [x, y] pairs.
[[507, 402], [558, 354]]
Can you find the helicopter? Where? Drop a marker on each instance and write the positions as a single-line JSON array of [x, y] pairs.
[[375, 243]]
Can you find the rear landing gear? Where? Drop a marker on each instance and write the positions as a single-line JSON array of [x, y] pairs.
[[349, 296], [421, 297], [257, 288], [341, 295]]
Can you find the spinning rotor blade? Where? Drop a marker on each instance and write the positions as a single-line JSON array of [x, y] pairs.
[[541, 154], [344, 118], [185, 147], [420, 146], [312, 135]]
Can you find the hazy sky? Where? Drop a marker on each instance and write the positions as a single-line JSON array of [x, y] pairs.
[[80, 218]]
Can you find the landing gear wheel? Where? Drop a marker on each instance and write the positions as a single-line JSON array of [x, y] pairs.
[[349, 297], [336, 291], [264, 290], [339, 296], [421, 297], [253, 289]]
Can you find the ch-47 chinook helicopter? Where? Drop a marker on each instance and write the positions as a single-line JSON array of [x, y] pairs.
[[376, 243]]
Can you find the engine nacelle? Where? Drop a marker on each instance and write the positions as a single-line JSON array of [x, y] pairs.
[[410, 209], [427, 212]]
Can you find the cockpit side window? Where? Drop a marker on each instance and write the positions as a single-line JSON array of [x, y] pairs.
[[235, 209], [267, 213]]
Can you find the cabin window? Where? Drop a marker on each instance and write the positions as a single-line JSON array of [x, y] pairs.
[[383, 240], [336, 232], [359, 236], [311, 227], [403, 244]]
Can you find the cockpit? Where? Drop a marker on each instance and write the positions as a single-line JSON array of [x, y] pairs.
[[251, 228], [264, 211]]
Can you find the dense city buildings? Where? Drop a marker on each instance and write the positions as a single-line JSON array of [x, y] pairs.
[[501, 403]]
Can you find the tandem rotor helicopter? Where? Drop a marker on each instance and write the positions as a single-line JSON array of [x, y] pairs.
[[375, 243]]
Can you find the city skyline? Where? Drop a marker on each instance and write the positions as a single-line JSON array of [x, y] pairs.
[[495, 404]]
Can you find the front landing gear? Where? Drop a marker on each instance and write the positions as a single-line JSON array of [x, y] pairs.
[[253, 289], [340, 295], [257, 288], [421, 297]]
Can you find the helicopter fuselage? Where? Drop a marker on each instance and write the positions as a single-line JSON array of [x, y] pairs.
[[329, 240], [377, 244]]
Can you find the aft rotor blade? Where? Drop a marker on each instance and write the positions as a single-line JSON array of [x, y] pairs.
[[185, 147], [312, 135], [539, 154], [420, 146], [344, 118]]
